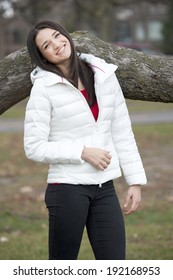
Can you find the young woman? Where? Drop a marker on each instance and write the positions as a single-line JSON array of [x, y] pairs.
[[77, 122]]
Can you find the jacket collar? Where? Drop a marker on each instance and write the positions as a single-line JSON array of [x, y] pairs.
[[49, 78], [52, 79], [101, 69]]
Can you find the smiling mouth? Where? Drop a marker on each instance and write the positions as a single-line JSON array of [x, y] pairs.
[[60, 50]]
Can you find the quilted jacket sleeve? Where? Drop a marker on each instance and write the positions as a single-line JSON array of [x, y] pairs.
[[36, 134], [124, 142]]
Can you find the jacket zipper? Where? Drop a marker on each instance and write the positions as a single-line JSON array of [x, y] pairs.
[[94, 121], [86, 104]]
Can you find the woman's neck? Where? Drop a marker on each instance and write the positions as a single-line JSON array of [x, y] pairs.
[[80, 85], [64, 68]]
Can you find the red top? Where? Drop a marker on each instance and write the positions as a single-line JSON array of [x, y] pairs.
[[94, 108]]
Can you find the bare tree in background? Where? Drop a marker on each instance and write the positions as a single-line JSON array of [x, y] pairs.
[[97, 16]]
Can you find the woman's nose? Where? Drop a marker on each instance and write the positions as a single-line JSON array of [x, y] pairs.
[[54, 46], [55, 43]]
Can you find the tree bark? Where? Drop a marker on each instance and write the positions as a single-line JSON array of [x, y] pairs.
[[142, 76]]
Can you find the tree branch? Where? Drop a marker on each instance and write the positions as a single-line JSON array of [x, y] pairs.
[[142, 76]]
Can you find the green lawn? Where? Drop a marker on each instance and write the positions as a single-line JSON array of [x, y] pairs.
[[17, 111], [149, 236], [137, 106]]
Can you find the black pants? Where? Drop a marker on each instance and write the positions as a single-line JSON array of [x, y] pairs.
[[71, 208]]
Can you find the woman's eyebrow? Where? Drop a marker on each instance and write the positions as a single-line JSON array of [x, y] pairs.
[[54, 32]]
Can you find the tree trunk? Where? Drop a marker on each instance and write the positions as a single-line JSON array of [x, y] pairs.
[[142, 76]]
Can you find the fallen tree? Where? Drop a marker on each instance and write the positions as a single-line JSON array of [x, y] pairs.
[[142, 76]]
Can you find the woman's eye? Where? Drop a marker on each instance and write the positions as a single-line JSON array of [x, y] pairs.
[[56, 35], [46, 46]]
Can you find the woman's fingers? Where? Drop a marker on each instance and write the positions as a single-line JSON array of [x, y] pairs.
[[97, 157], [132, 200], [105, 160]]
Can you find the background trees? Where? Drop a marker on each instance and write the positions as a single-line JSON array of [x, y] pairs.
[[110, 20], [167, 44]]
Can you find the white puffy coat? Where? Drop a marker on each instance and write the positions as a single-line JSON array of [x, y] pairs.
[[59, 123]]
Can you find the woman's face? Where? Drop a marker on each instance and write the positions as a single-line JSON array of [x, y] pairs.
[[54, 47]]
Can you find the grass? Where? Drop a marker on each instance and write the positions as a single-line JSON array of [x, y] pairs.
[[23, 238], [146, 106], [146, 236], [23, 215], [16, 111], [149, 234]]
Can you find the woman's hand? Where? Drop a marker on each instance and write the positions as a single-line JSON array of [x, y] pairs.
[[132, 199], [98, 158]]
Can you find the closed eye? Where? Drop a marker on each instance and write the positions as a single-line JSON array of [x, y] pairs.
[[46, 46], [57, 34]]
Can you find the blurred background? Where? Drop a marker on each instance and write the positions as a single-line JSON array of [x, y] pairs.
[[143, 25]]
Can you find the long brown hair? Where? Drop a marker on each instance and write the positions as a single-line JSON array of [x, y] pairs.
[[77, 68]]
